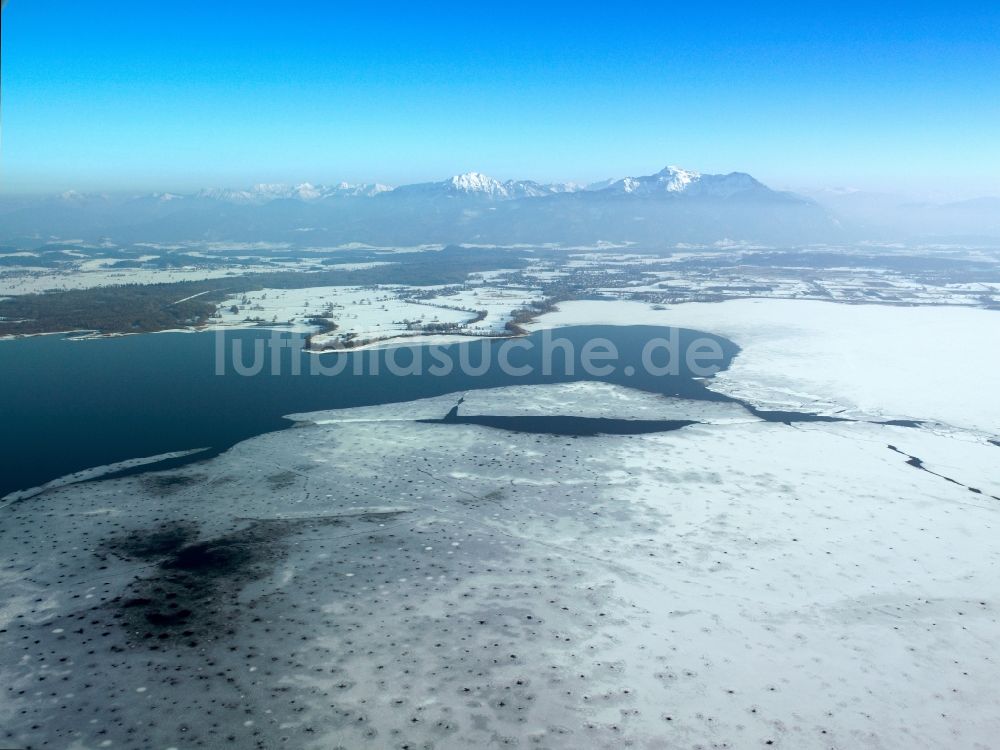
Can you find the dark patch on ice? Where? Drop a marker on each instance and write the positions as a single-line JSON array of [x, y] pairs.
[[167, 484], [918, 463], [564, 425], [790, 417], [282, 480], [590, 426], [153, 544], [192, 593], [216, 557], [914, 423], [994, 442]]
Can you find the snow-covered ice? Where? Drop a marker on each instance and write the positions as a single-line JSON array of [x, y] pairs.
[[932, 363], [370, 580]]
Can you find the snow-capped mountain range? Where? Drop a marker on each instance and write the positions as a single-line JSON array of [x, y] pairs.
[[306, 191], [669, 206], [673, 205], [674, 180], [478, 184], [670, 181]]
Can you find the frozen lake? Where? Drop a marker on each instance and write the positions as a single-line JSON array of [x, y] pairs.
[[467, 570]]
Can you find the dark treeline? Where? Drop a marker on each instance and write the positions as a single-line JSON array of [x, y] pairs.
[[138, 308], [134, 308]]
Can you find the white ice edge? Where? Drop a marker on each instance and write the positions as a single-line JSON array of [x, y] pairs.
[[95, 472]]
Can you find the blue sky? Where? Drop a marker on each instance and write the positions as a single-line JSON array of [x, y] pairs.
[[180, 95]]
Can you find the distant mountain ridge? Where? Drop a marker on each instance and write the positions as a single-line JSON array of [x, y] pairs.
[[670, 181], [306, 191], [673, 205], [479, 184]]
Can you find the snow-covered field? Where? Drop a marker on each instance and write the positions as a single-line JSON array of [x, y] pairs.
[[497, 302], [369, 314]]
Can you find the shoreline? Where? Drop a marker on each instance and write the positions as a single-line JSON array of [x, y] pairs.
[[523, 328]]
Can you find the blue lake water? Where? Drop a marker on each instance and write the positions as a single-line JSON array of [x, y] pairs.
[[69, 405]]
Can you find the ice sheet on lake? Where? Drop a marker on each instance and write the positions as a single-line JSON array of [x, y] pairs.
[[580, 399], [875, 361], [390, 583]]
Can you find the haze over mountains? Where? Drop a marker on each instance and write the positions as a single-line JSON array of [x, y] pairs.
[[672, 206], [884, 215]]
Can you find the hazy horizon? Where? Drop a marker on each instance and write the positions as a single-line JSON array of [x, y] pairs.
[[816, 191]]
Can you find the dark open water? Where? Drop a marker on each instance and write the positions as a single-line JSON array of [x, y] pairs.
[[69, 405]]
